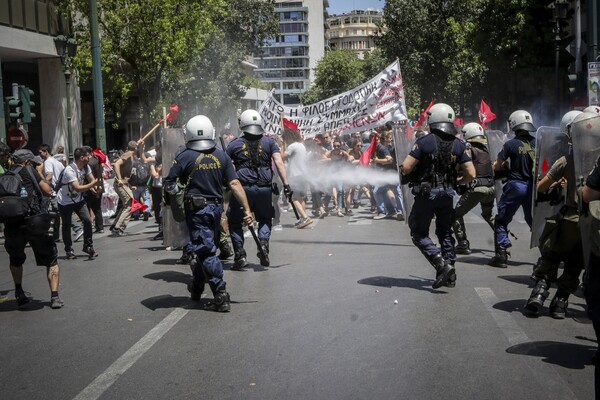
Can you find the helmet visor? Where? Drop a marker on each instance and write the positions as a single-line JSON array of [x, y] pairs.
[[201, 144], [253, 129]]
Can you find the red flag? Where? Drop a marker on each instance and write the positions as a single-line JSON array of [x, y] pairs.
[[173, 111], [136, 205], [286, 123], [485, 114], [423, 116], [366, 156], [459, 122], [545, 166]]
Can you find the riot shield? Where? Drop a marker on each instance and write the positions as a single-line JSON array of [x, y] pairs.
[[404, 141], [585, 136], [550, 145], [175, 233], [495, 141]]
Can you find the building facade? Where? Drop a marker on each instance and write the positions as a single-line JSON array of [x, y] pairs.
[[28, 56], [354, 30], [287, 61]]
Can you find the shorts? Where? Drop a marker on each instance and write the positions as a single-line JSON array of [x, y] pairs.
[[16, 237]]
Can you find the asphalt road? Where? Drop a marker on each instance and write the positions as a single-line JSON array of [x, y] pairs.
[[345, 311]]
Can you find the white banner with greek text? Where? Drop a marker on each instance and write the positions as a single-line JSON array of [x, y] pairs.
[[368, 106]]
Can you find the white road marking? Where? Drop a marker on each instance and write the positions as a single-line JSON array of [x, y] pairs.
[[95, 389]]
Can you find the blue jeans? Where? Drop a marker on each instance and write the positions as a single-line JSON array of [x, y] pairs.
[[204, 226], [515, 194], [261, 204], [438, 203]]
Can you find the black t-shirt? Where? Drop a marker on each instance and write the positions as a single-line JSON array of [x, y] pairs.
[[593, 179], [521, 162]]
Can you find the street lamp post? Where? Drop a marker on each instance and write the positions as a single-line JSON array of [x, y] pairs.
[[66, 48], [559, 12]]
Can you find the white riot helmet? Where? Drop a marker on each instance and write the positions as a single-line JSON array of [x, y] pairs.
[[521, 120], [473, 130], [592, 109], [199, 133], [441, 117], [567, 119], [251, 122]]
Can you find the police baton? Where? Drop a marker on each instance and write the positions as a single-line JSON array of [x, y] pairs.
[[222, 142], [293, 206], [261, 249]]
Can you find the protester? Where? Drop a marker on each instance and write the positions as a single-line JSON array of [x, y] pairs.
[[296, 156], [123, 169]]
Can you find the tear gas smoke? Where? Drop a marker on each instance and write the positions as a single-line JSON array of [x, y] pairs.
[[322, 176]]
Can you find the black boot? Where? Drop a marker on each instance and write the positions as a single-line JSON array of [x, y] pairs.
[[452, 276], [239, 262], [225, 250], [463, 247], [499, 260], [558, 307], [539, 294], [443, 271], [264, 261], [221, 303]]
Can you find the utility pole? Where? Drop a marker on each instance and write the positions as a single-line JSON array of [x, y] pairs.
[[97, 78]]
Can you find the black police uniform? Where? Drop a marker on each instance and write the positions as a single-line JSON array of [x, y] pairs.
[[438, 155], [205, 172]]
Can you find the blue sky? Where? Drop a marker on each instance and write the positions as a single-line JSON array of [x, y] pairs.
[[342, 6]]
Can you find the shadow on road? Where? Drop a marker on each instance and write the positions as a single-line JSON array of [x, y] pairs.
[[484, 260], [385, 281], [518, 305], [567, 355], [334, 242], [33, 305], [170, 277], [521, 279], [165, 301]]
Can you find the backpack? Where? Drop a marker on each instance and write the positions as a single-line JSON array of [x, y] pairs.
[[141, 175], [13, 207]]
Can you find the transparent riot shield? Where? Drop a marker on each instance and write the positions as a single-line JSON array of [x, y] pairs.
[[586, 150], [550, 145], [404, 140], [495, 141], [175, 233]]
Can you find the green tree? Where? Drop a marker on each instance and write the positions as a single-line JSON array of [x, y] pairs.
[[337, 72], [157, 47]]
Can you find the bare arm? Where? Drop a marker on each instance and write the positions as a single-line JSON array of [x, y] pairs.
[[408, 164], [545, 184], [500, 165], [468, 173], [590, 194], [280, 167]]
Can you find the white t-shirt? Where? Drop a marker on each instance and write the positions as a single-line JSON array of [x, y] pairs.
[[66, 195], [297, 156], [52, 165]]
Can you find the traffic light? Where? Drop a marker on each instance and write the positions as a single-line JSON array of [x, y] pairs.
[[25, 95], [11, 106], [572, 83]]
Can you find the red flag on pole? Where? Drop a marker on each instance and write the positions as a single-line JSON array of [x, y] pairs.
[[365, 157], [136, 205], [485, 114], [423, 116], [286, 123]]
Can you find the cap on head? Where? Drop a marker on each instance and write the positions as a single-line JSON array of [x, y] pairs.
[[251, 122], [521, 120], [200, 133], [23, 155], [440, 117]]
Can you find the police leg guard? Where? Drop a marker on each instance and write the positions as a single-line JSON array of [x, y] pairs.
[[239, 261], [264, 260], [463, 247], [559, 304], [539, 294], [196, 286], [500, 258], [451, 277], [225, 250], [443, 271]]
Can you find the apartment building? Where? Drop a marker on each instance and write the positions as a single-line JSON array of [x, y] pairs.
[[354, 30], [287, 62]]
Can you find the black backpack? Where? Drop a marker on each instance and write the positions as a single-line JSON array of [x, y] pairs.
[[141, 176], [13, 207]]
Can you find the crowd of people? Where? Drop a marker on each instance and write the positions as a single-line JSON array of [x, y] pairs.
[[325, 172]]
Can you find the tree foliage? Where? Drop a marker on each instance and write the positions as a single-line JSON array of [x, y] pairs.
[[460, 50], [172, 49]]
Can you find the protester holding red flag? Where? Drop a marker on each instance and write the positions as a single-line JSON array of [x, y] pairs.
[[423, 116], [485, 114]]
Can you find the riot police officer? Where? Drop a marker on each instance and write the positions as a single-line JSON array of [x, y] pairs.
[[517, 192], [253, 155], [561, 238], [204, 169], [432, 167], [480, 191]]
